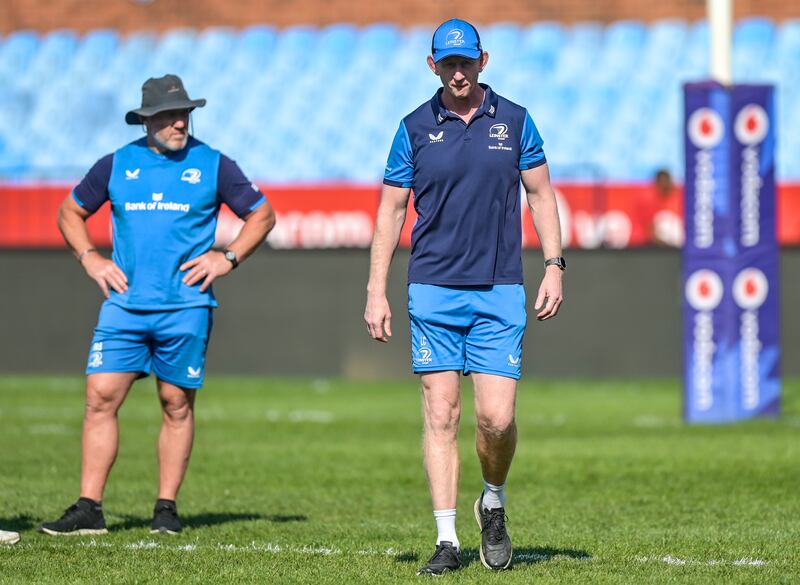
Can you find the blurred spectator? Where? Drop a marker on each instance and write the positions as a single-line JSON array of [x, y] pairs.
[[661, 211]]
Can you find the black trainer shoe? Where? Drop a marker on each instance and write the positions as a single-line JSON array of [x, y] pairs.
[[445, 558], [165, 518], [82, 517], [495, 541]]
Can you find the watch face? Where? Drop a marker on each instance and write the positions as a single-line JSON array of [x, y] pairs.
[[230, 256]]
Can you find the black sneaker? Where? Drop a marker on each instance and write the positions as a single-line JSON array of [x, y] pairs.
[[445, 558], [495, 541], [165, 518], [83, 517]]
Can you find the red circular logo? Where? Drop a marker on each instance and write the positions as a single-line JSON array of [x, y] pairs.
[[751, 125], [704, 290], [705, 128], [750, 288]]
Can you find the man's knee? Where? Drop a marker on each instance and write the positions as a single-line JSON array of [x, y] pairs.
[[496, 425], [177, 405], [441, 403], [442, 416], [104, 395]]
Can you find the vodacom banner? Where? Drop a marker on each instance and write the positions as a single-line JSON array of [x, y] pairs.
[[610, 215], [334, 215], [730, 258]]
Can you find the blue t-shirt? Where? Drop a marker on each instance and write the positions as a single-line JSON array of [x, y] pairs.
[[164, 212], [465, 179]]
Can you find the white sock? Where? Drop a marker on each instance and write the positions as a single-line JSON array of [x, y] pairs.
[[446, 526], [494, 496]]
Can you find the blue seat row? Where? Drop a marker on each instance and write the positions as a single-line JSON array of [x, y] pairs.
[[305, 104]]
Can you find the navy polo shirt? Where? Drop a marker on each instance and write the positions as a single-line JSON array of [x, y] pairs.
[[465, 179]]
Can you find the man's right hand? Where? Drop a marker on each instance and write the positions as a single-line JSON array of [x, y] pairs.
[[378, 316], [105, 273]]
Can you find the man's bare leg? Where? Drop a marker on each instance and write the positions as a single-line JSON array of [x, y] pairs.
[[176, 437], [441, 409], [105, 393], [496, 437], [495, 441]]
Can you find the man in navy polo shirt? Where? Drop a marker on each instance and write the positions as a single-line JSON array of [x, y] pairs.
[[464, 153], [165, 192]]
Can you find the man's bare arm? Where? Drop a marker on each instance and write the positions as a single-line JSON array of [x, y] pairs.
[[388, 225], [213, 264], [542, 201], [72, 223]]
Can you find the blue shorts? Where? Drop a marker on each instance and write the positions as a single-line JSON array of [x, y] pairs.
[[171, 343], [467, 328]]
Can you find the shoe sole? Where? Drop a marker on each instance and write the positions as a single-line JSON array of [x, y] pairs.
[[427, 574], [477, 510], [81, 532], [163, 531]]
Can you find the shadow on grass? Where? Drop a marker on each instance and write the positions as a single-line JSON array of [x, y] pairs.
[[522, 556], [407, 557], [17, 523], [529, 555], [209, 519]]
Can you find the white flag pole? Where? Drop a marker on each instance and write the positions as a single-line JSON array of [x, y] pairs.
[[720, 26]]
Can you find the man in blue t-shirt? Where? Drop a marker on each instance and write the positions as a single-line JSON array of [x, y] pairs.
[[165, 192], [463, 153]]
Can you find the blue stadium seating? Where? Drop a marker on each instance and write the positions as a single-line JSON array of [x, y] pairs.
[[16, 55], [539, 47], [305, 104], [94, 54]]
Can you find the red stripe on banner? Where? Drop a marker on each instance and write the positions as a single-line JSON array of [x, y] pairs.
[[788, 209], [343, 216], [29, 217]]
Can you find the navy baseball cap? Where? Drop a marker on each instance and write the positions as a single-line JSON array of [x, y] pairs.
[[456, 37]]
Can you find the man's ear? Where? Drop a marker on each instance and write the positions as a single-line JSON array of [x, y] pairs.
[[484, 60], [432, 66]]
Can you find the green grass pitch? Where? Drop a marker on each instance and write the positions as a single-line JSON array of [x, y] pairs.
[[319, 481]]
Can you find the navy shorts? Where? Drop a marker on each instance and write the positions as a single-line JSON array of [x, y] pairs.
[[170, 343], [467, 328]]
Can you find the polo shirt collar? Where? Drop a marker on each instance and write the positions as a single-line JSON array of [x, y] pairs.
[[488, 107]]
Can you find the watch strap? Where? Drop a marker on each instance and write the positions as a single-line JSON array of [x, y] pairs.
[[230, 256]]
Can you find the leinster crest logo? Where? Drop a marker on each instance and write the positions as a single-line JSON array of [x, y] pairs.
[[191, 176]]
